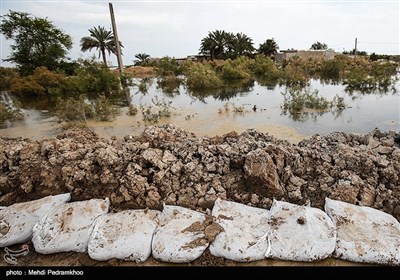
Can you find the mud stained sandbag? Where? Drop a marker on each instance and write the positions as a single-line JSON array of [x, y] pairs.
[[300, 233], [126, 235], [68, 228], [180, 235], [364, 234], [244, 235], [18, 220]]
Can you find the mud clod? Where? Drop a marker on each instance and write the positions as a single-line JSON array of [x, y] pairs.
[[166, 164]]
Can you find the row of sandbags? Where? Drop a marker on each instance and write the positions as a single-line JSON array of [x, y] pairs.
[[234, 231]]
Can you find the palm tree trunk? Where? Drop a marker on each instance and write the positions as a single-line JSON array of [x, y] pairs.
[[103, 54]]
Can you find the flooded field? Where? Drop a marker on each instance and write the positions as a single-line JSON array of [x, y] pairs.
[[209, 114]]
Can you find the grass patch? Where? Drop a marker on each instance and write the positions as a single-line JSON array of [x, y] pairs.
[[297, 100]]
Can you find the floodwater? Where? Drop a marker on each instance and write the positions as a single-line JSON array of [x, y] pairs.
[[210, 114]]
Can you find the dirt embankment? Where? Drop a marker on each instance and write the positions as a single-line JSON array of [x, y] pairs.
[[166, 164]]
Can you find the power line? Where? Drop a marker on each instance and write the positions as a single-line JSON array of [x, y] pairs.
[[383, 43], [348, 42]]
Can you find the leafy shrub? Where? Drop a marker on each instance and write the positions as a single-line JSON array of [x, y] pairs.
[[95, 79], [170, 83], [230, 71], [292, 76], [6, 76], [201, 77], [331, 69], [160, 108], [296, 100], [104, 109], [71, 109], [42, 82], [264, 67], [167, 66]]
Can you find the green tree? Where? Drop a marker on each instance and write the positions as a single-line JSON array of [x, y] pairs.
[[241, 45], [142, 59], [37, 42], [269, 48], [100, 39], [215, 44], [319, 46]]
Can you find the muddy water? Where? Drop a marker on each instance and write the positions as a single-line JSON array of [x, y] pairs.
[[213, 114]]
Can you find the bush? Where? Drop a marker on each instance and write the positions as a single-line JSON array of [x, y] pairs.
[[71, 109], [230, 71], [104, 109], [167, 66], [170, 83], [96, 79], [201, 77], [6, 76], [42, 82], [159, 109], [293, 76], [10, 113], [263, 67], [330, 70], [296, 100]]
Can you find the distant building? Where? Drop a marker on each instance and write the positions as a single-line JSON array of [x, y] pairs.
[[314, 54]]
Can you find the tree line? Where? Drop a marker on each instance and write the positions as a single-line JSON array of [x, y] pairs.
[[38, 43]]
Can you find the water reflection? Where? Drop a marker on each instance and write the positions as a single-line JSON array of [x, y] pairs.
[[362, 113], [230, 91]]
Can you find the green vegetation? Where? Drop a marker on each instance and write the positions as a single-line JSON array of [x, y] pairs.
[[296, 100], [80, 109], [100, 39], [6, 76], [71, 109], [37, 42], [142, 59], [9, 108], [104, 109], [319, 46], [202, 76], [169, 84], [153, 113], [220, 44], [269, 48], [299, 102], [95, 79], [167, 66], [237, 69], [42, 83]]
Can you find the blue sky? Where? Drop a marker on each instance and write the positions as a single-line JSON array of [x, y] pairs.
[[175, 28]]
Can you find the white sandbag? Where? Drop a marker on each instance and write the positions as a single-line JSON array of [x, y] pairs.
[[180, 235], [126, 235], [244, 237], [299, 233], [364, 234], [68, 228], [17, 220]]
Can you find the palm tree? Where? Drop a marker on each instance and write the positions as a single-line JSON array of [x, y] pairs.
[[268, 48], [142, 59], [100, 39], [215, 44], [242, 45]]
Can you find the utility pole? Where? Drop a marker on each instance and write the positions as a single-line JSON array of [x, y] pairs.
[[355, 49], [117, 46], [119, 57]]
